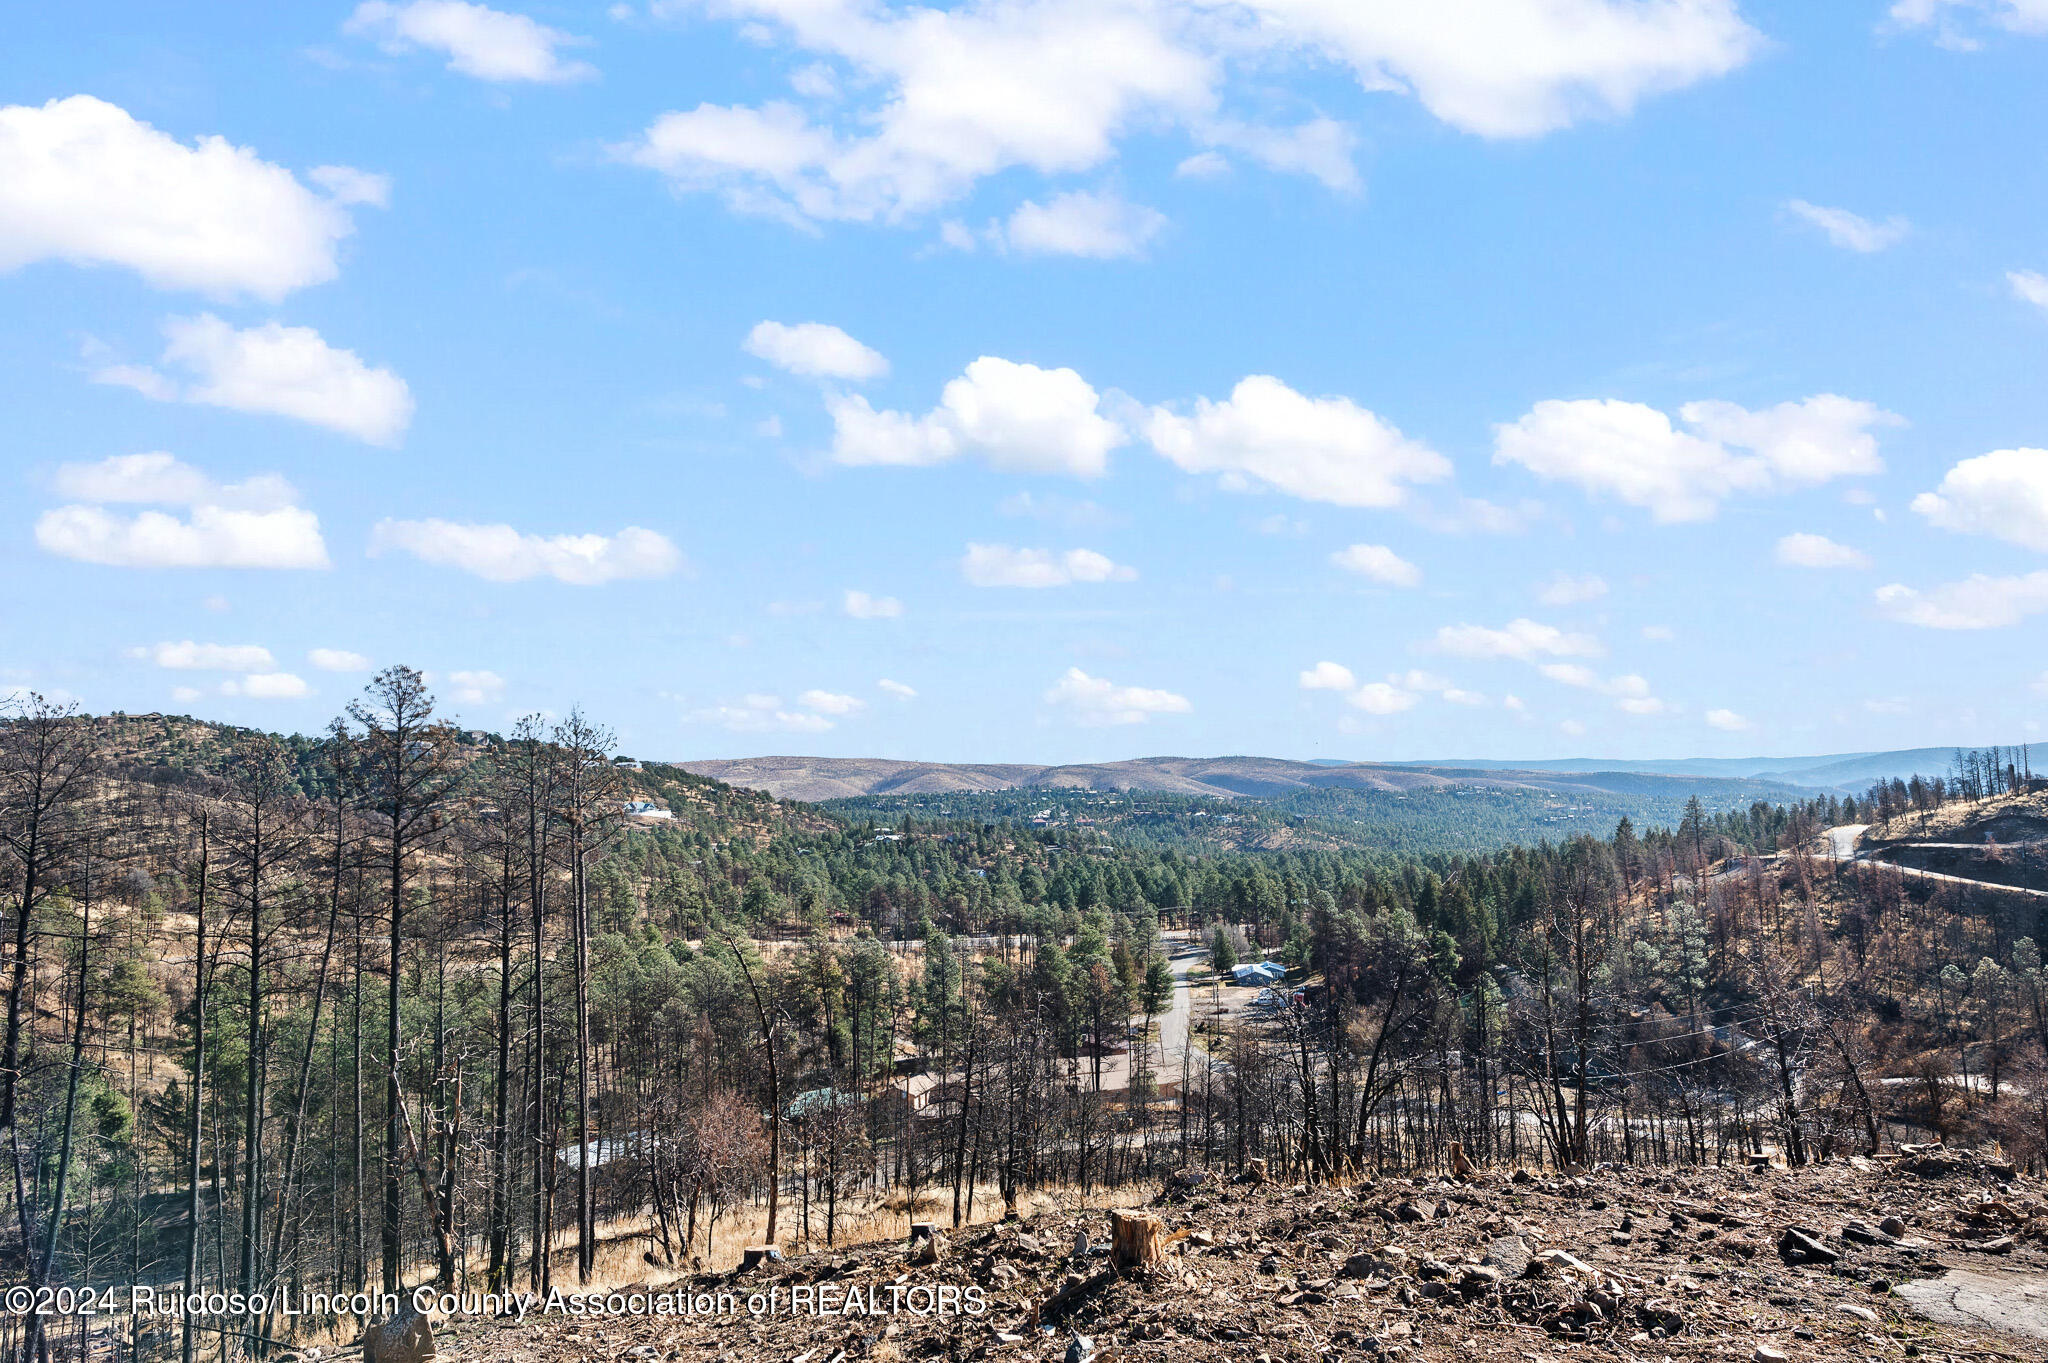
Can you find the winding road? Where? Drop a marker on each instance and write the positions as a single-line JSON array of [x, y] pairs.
[[1841, 841]]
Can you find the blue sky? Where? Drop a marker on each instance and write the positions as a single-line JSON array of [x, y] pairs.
[[1036, 380]]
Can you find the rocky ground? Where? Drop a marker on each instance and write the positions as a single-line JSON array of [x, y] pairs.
[[1932, 1256]]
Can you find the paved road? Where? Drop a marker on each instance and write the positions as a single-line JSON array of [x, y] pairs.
[[1841, 841]]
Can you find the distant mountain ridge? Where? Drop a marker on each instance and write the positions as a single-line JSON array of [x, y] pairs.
[[830, 778], [1849, 773]]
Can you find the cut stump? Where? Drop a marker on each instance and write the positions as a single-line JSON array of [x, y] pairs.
[[1139, 1238]]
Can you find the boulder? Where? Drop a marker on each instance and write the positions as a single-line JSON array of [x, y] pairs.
[[408, 1337]]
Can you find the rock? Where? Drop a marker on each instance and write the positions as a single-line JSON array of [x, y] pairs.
[[1080, 1349], [1766, 1353], [1557, 1261], [1412, 1212], [1508, 1254], [1429, 1268], [1863, 1233], [1361, 1266], [2000, 1245], [1661, 1313], [408, 1337], [1797, 1247], [1475, 1279], [1892, 1226], [1860, 1312]]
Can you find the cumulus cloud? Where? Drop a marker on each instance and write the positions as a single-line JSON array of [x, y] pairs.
[[187, 656], [908, 107], [268, 686], [2003, 494], [2029, 286], [1630, 692], [1266, 435], [1523, 640], [1382, 698], [1977, 602], [898, 689], [275, 369], [1096, 701], [861, 606], [1634, 454], [1017, 417], [350, 186], [1098, 226], [815, 350], [1566, 589], [831, 703], [82, 182], [1727, 721], [1803, 550], [250, 524], [1379, 563], [337, 660], [1848, 231], [1000, 565], [478, 687], [1950, 17], [1328, 676], [485, 43], [761, 713], [499, 553]]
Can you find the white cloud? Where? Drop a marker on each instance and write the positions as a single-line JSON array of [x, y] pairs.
[[1565, 589], [897, 689], [1727, 721], [861, 606], [499, 553], [2029, 286], [1459, 696], [2003, 494], [1379, 563], [481, 687], [1018, 417], [831, 703], [211, 537], [82, 182], [1850, 232], [165, 479], [1099, 226], [284, 371], [912, 105], [1506, 68], [2040, 685], [337, 660], [816, 350], [350, 186], [1380, 698], [1512, 702], [1659, 634], [268, 686], [1571, 727], [1977, 602], [1319, 449], [187, 656], [1523, 639], [1328, 676], [2017, 16], [1000, 565], [1803, 550], [485, 43], [761, 715], [1633, 453], [1570, 674], [1202, 165], [1095, 701]]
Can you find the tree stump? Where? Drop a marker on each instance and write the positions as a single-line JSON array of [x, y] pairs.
[[754, 1255], [921, 1230], [1139, 1238], [1461, 1167], [1254, 1171]]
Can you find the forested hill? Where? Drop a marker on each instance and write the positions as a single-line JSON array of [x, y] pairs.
[[827, 778], [1248, 804]]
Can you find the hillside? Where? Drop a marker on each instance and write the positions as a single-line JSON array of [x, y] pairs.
[[1846, 773], [1264, 778]]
